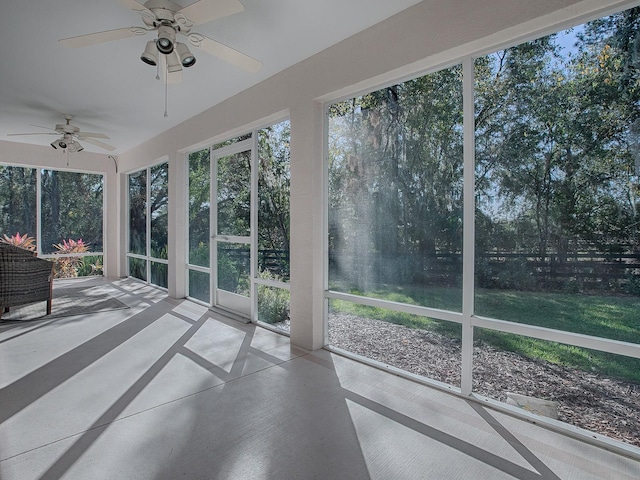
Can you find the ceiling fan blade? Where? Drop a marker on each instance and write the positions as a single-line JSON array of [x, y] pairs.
[[140, 9], [101, 37], [97, 143], [131, 4], [40, 126], [205, 11], [225, 53], [83, 135], [35, 133]]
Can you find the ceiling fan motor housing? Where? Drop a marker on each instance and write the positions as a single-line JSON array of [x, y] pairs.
[[160, 6], [67, 128]]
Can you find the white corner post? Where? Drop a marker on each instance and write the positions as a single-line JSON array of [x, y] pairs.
[[307, 226]]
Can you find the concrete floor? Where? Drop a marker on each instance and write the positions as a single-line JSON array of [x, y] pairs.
[[165, 390]]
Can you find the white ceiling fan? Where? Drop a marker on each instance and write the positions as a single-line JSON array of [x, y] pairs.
[[69, 136], [170, 21]]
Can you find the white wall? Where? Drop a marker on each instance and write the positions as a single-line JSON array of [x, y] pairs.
[[432, 33]]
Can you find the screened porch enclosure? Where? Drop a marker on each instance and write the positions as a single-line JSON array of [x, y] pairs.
[[468, 220]]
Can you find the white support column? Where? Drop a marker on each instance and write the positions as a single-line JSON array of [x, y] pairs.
[[178, 218], [307, 220], [468, 268], [112, 235], [123, 195]]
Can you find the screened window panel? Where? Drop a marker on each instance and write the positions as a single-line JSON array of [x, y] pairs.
[[586, 388], [199, 286], [395, 191], [138, 212], [234, 194], [274, 306], [199, 207], [274, 180], [413, 343], [160, 274], [71, 212], [234, 267], [18, 202], [159, 211], [138, 268], [556, 183]]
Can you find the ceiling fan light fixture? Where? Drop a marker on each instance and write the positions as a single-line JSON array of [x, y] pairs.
[[166, 39], [75, 147], [150, 55], [59, 144], [187, 59]]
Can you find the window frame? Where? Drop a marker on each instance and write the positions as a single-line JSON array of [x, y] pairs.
[[147, 258], [38, 202]]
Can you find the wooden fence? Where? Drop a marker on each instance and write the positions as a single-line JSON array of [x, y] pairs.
[[584, 271]]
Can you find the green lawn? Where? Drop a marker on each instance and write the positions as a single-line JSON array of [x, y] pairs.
[[612, 317]]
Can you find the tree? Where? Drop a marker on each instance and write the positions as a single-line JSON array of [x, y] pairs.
[[199, 207], [138, 212], [158, 210], [72, 208], [555, 140], [17, 201]]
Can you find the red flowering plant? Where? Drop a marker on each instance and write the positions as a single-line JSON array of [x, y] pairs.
[[22, 241], [67, 267]]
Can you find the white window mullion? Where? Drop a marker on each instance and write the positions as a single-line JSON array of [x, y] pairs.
[[254, 227], [148, 227], [213, 228], [127, 228], [185, 264], [105, 213], [39, 211], [468, 272], [325, 226]]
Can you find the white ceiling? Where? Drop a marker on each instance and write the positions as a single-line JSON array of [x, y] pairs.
[[110, 90]]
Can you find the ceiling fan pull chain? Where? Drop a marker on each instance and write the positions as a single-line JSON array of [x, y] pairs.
[[166, 92]]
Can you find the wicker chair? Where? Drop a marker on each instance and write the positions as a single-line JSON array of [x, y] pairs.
[[24, 278]]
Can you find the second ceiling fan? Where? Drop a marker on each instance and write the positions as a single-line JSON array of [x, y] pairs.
[[171, 21], [69, 136]]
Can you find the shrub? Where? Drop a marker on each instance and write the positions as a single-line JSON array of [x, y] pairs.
[[510, 274], [67, 267], [90, 266], [632, 286], [22, 241], [273, 303]]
